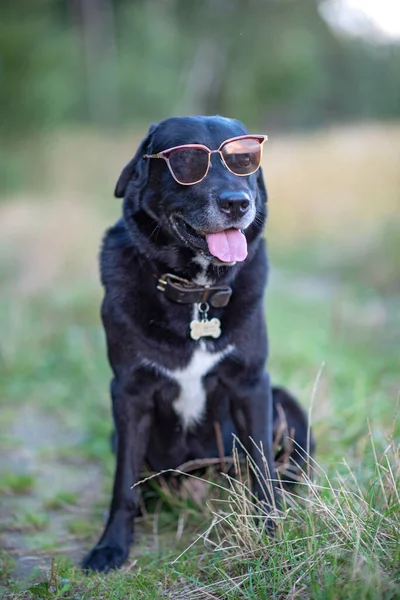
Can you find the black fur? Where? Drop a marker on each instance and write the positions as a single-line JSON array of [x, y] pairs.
[[158, 234]]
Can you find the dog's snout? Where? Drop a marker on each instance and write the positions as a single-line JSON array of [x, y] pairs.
[[235, 204]]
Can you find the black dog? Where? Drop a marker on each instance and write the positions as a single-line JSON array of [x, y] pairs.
[[184, 273]]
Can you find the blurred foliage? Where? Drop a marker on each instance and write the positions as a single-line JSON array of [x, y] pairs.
[[270, 63]]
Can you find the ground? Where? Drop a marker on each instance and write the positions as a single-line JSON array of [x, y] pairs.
[[334, 324]]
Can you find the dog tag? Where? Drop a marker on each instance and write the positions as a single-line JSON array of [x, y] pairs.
[[205, 328]]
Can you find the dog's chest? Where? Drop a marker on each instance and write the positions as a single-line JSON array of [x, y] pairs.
[[191, 401]]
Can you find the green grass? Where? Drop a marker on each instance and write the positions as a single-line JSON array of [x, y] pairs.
[[60, 500], [16, 483], [33, 521]]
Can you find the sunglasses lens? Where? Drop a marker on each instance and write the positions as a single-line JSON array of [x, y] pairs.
[[189, 165], [242, 157]]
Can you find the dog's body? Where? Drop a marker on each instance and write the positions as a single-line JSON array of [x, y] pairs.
[[169, 390]]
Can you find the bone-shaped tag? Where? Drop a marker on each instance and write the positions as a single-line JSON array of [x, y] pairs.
[[205, 328]]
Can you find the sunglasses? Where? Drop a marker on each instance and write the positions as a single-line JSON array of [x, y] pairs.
[[189, 163]]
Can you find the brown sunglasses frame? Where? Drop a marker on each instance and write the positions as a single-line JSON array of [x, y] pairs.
[[164, 154]]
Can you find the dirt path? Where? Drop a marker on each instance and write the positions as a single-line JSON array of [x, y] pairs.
[[46, 498]]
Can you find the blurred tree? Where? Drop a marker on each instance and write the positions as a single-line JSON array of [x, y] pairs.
[[95, 21], [37, 72], [117, 62]]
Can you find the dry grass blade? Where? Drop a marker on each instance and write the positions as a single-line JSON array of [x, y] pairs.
[[329, 521]]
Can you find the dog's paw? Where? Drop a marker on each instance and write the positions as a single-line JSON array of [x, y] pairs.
[[103, 558]]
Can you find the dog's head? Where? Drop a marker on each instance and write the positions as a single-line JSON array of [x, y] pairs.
[[215, 218]]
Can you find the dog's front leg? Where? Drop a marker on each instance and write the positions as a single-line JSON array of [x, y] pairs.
[[133, 417], [253, 417]]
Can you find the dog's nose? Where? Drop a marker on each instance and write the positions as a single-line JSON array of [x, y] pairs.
[[235, 204]]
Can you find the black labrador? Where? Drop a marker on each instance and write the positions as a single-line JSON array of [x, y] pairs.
[[184, 272]]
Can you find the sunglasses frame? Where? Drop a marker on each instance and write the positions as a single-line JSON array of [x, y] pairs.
[[164, 154]]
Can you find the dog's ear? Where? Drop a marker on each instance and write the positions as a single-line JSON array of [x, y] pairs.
[[262, 190], [137, 169]]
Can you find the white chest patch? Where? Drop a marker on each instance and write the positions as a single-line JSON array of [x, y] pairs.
[[192, 399], [190, 403]]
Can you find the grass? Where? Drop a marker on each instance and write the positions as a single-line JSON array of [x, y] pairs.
[[33, 521], [333, 536], [334, 331], [16, 483], [60, 500]]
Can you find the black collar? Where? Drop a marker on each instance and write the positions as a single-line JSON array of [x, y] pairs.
[[186, 292]]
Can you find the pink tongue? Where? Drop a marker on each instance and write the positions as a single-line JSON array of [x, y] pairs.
[[228, 246]]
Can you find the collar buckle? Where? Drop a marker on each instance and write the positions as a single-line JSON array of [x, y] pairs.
[[183, 291], [167, 278]]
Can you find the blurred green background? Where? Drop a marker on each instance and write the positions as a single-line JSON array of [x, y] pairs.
[[80, 81], [276, 65]]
